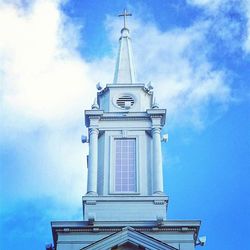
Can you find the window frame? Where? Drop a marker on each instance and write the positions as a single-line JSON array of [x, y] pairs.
[[112, 166]]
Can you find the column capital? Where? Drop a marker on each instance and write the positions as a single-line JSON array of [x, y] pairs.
[[93, 131], [92, 117], [157, 116], [156, 129]]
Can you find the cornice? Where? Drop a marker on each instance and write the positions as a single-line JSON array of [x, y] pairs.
[[124, 118], [126, 197], [130, 85], [180, 226], [118, 229]]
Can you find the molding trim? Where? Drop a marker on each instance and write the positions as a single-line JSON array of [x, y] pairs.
[[129, 234]]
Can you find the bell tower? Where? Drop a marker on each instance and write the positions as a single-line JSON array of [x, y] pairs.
[[125, 206], [125, 158]]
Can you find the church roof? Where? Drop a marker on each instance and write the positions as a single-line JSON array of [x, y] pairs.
[[129, 235], [115, 229], [124, 70]]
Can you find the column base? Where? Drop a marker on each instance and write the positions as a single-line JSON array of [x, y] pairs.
[[91, 193], [158, 193]]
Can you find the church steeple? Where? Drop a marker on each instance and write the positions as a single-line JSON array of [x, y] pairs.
[[125, 206], [125, 70]]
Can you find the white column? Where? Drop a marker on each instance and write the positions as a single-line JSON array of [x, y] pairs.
[[157, 161], [92, 162]]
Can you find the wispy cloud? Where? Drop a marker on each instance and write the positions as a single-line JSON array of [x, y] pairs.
[[230, 21], [42, 71], [208, 4], [46, 84], [30, 219], [177, 62], [247, 13]]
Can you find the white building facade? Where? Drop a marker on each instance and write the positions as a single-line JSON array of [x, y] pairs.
[[125, 206]]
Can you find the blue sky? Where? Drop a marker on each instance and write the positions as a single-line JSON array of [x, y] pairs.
[[197, 55]]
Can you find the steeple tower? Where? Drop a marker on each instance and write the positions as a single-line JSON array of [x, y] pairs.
[[125, 157], [124, 70], [125, 206]]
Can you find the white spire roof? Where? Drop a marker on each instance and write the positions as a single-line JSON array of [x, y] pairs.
[[124, 70]]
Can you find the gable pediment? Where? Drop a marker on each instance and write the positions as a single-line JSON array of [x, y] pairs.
[[128, 238], [128, 246]]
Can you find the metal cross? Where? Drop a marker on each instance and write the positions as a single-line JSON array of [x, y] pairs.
[[125, 14]]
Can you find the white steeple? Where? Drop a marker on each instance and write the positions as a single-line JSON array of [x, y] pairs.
[[124, 70], [125, 206]]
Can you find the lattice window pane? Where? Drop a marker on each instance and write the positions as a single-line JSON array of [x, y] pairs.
[[125, 165]]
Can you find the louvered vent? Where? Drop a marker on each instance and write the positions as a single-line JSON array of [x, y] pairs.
[[125, 101]]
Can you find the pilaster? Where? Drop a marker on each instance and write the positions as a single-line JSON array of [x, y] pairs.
[[92, 118], [157, 161], [157, 122], [93, 161]]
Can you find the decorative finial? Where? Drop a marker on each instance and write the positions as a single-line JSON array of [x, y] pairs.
[[125, 14], [155, 105], [98, 86], [150, 87], [124, 70], [95, 105]]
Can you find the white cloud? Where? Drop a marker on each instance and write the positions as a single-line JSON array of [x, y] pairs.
[[210, 5], [44, 74], [247, 13], [46, 85], [231, 20], [177, 63]]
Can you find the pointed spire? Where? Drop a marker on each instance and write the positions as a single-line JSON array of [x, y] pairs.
[[124, 70]]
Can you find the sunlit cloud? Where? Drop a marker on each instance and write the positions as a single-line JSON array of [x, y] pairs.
[[45, 85], [210, 5], [231, 21], [247, 12], [177, 63], [43, 76]]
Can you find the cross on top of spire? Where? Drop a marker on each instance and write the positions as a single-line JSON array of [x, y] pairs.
[[125, 14]]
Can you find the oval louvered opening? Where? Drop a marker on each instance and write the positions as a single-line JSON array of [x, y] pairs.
[[125, 101]]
